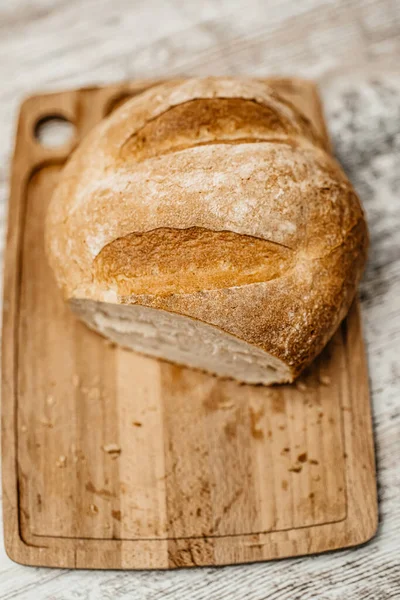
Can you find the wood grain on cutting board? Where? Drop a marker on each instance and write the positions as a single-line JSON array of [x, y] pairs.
[[114, 460]]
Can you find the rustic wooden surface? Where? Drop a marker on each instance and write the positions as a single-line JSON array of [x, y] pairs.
[[114, 460], [352, 47]]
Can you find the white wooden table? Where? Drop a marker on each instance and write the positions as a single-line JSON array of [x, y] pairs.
[[351, 47]]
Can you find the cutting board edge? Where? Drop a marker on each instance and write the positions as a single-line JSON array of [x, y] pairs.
[[17, 549]]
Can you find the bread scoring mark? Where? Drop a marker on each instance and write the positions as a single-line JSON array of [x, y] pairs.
[[292, 142], [208, 121], [169, 261]]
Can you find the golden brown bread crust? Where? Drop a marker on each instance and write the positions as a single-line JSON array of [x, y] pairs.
[[213, 198], [204, 121], [151, 263]]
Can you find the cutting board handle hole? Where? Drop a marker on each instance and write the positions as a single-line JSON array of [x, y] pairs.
[[54, 131]]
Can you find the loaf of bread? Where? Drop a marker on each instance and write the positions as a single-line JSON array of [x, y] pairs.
[[204, 223]]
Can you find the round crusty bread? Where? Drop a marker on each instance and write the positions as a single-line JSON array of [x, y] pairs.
[[204, 223]]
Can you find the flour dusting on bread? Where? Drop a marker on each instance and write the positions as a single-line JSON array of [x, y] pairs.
[[215, 204]]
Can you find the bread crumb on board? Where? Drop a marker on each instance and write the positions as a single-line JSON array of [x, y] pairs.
[[112, 449], [325, 379], [50, 400], [92, 393], [226, 405], [295, 469], [301, 386], [93, 509], [62, 461]]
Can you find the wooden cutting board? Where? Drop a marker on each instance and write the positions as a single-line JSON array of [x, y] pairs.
[[112, 460]]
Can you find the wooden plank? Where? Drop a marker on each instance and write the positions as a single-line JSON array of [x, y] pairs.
[[205, 471]]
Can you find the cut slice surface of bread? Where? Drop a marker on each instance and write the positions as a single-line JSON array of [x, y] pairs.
[[182, 340], [205, 222]]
